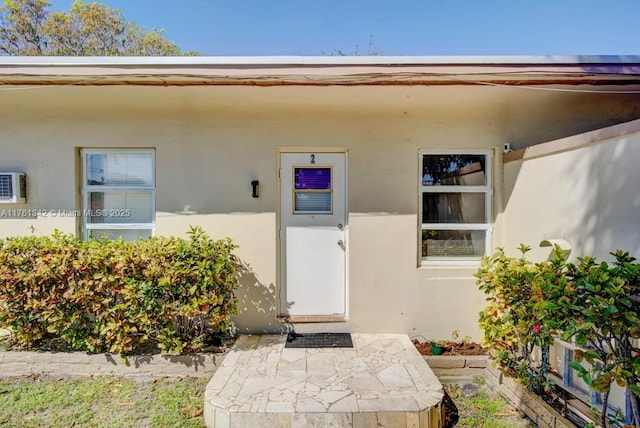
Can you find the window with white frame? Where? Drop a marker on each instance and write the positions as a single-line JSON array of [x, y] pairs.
[[455, 195], [118, 193]]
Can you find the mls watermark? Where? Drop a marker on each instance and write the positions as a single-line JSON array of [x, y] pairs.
[[42, 213]]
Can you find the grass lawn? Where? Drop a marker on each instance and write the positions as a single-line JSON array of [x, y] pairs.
[[102, 402], [105, 401], [480, 406]]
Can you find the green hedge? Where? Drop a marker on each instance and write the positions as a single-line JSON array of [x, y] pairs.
[[171, 294], [594, 304]]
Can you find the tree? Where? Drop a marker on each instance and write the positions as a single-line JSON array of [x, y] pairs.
[[21, 27], [27, 27]]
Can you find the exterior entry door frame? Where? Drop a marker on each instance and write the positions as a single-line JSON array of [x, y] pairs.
[[312, 268]]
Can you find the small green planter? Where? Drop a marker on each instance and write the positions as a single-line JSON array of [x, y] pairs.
[[436, 349]]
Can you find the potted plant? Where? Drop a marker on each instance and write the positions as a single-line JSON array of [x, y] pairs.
[[437, 347]]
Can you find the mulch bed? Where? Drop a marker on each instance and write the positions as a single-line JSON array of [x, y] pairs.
[[452, 348]]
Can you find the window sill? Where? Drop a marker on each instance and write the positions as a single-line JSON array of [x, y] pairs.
[[468, 264], [312, 318]]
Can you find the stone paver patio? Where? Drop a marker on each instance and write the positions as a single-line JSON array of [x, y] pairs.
[[381, 382]]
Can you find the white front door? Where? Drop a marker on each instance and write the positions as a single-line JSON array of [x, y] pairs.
[[313, 234]]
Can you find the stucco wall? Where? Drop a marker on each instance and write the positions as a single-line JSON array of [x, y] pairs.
[[586, 195], [211, 142]]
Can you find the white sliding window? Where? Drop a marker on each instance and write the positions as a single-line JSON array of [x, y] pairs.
[[455, 195], [118, 193]]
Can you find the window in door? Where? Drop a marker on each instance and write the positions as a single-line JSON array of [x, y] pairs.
[[312, 190]]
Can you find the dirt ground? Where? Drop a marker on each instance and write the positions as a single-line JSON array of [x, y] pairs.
[[452, 348]]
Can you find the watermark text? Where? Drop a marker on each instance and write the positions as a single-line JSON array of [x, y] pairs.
[[43, 213]]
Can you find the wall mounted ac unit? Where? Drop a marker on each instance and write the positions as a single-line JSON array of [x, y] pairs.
[[13, 188]]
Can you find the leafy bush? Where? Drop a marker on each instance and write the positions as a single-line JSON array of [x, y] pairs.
[[519, 316], [597, 306], [603, 316], [57, 292]]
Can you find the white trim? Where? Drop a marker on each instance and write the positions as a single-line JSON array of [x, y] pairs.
[[575, 142], [487, 189], [456, 226], [455, 189], [137, 226], [280, 272], [443, 262], [86, 189], [325, 60], [98, 188]]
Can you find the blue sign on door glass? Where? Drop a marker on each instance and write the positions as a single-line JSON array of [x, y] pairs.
[[312, 178]]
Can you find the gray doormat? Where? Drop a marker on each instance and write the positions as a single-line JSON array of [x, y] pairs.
[[319, 340]]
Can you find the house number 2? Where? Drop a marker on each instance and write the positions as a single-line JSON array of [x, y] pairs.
[[313, 158]]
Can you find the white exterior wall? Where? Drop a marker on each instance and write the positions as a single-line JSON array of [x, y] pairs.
[[582, 189], [211, 142]]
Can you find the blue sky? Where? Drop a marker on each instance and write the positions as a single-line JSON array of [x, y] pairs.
[[428, 27]]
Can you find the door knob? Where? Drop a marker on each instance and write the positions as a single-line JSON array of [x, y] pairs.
[[340, 226], [341, 243]]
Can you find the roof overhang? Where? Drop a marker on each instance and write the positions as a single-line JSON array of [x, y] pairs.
[[619, 71]]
